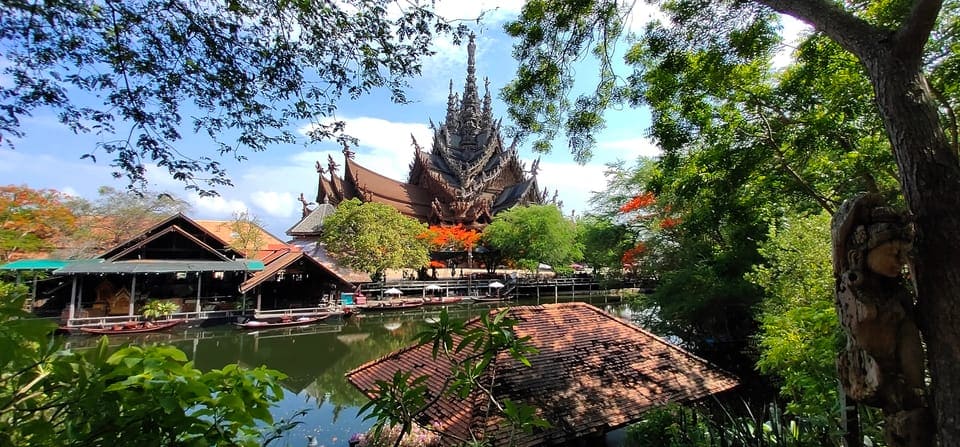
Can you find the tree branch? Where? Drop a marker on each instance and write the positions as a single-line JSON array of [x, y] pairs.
[[915, 30], [849, 31]]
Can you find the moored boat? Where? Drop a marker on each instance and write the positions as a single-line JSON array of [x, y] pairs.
[[282, 321], [433, 301], [492, 298], [132, 327], [389, 305]]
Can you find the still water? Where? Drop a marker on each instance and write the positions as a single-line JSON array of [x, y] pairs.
[[315, 358]]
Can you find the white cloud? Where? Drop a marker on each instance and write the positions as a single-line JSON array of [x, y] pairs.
[[629, 148], [575, 184], [278, 204], [216, 207], [495, 11], [69, 191], [384, 146]]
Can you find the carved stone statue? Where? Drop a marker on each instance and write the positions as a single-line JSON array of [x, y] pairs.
[[882, 364]]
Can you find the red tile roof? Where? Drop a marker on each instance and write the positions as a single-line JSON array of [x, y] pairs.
[[594, 373], [223, 230]]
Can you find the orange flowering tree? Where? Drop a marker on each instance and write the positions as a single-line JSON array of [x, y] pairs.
[[32, 220], [455, 238]]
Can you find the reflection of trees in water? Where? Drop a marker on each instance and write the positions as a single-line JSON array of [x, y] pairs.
[[315, 358]]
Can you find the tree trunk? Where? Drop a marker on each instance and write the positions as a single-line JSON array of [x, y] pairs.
[[930, 180]]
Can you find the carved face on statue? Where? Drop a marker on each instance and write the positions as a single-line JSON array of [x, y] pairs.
[[888, 258]]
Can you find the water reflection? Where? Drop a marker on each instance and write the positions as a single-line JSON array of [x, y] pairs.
[[315, 359]]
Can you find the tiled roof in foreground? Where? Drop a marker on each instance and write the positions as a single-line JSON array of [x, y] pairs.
[[593, 373]]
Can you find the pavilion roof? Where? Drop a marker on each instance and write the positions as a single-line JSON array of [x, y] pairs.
[[318, 252], [223, 230], [593, 373], [284, 260]]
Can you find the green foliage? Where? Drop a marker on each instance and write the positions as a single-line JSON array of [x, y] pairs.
[[603, 241], [468, 350], [243, 72], [533, 234], [721, 424], [373, 237], [156, 309], [668, 427], [133, 396], [800, 335]]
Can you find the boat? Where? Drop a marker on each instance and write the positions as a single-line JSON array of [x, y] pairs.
[[492, 298], [434, 301], [389, 305], [282, 322], [132, 327]]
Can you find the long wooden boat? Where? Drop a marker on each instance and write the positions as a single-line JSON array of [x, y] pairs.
[[128, 328], [389, 305], [282, 322], [492, 298], [442, 300]]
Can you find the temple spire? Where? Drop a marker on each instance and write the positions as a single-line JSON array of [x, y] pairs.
[[487, 106], [452, 100], [470, 111]]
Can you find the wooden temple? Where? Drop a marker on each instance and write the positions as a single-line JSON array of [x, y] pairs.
[[468, 174]]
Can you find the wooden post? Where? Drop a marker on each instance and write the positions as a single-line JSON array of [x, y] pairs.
[[133, 294], [33, 297], [199, 283], [73, 301]]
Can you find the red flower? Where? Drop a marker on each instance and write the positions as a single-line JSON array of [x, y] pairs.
[[641, 201]]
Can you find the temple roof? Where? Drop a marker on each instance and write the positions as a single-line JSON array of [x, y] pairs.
[[409, 199], [593, 373], [312, 223]]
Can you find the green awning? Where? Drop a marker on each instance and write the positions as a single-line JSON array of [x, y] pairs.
[[35, 264], [158, 266]]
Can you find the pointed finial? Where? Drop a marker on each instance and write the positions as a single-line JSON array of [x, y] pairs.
[[346, 150], [331, 165]]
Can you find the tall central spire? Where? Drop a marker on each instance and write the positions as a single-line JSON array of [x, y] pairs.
[[470, 110]]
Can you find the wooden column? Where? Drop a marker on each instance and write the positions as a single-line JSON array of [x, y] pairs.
[[73, 301], [133, 294]]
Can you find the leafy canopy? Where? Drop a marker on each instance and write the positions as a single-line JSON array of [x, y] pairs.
[[140, 72], [533, 234], [373, 237]]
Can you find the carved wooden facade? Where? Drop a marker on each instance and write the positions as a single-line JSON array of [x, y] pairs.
[[467, 175]]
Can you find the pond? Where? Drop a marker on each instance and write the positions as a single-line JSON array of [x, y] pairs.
[[315, 358]]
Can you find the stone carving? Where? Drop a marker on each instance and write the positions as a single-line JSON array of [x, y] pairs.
[[882, 364]]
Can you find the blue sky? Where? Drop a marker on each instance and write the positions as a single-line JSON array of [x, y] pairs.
[[267, 184]]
